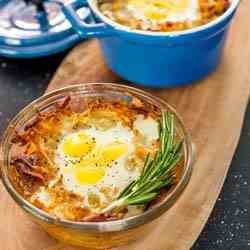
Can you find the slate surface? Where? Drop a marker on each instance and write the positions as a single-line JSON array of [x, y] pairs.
[[228, 227]]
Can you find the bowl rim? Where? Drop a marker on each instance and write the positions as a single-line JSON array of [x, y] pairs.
[[104, 226], [233, 6]]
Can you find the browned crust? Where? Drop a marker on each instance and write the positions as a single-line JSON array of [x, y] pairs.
[[209, 10], [32, 163]]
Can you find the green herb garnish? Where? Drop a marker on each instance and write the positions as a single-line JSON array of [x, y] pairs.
[[158, 172]]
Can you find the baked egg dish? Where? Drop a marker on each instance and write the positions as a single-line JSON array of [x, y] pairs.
[[163, 15], [96, 163]]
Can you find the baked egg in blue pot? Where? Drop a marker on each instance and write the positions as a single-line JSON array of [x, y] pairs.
[[158, 43]]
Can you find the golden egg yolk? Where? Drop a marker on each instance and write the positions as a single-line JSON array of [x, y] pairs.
[[111, 152], [91, 169], [89, 175], [78, 144], [154, 14], [159, 9]]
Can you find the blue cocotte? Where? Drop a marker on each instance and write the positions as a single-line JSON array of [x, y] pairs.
[[155, 59]]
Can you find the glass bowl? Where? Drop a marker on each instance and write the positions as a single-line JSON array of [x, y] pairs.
[[95, 235]]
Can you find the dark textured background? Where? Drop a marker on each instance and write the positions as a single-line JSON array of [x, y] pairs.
[[228, 227]]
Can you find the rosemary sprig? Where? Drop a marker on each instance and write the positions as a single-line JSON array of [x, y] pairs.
[[158, 172]]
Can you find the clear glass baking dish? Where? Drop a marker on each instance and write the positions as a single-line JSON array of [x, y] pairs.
[[95, 235]]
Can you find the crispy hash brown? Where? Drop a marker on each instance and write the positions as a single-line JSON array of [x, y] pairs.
[[120, 12], [34, 167]]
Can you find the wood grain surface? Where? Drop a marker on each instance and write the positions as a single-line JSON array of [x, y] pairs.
[[213, 110]]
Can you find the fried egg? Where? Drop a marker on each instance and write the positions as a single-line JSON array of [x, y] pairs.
[[158, 11], [163, 15], [92, 162], [152, 12], [91, 159]]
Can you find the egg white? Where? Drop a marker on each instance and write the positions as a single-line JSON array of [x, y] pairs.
[[116, 175], [148, 128]]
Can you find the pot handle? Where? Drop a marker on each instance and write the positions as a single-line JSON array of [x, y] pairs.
[[85, 30]]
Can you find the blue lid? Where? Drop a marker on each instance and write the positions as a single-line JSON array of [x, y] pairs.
[[34, 28]]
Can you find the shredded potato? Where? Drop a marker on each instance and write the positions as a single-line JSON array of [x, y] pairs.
[[34, 146], [118, 11]]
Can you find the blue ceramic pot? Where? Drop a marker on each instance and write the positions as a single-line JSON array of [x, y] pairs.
[[156, 59]]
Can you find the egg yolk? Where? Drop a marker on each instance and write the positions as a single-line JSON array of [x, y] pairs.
[[89, 175], [159, 9], [78, 144], [154, 15], [113, 151], [153, 3], [91, 169]]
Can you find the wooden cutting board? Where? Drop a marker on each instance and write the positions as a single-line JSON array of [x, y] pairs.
[[213, 110]]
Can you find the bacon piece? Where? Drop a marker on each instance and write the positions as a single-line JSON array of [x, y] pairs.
[[25, 167]]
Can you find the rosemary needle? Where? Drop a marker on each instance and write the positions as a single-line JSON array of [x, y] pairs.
[[158, 172]]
